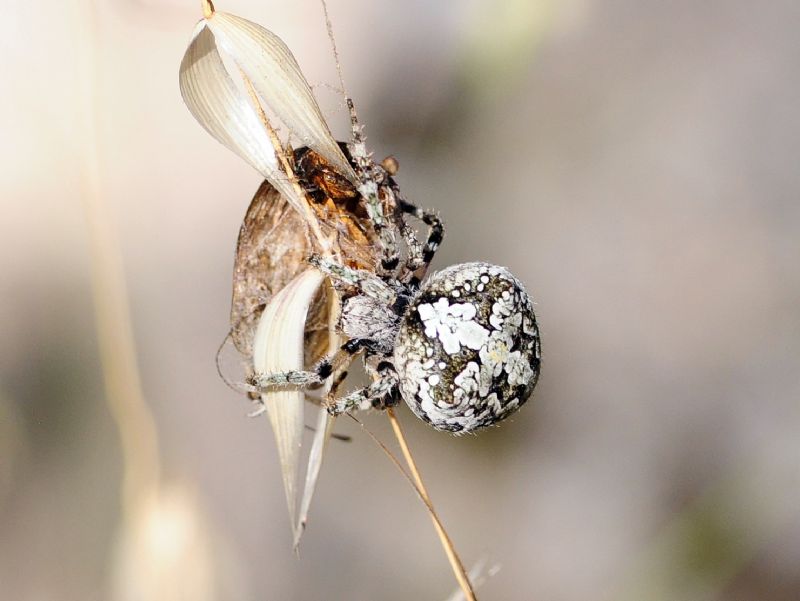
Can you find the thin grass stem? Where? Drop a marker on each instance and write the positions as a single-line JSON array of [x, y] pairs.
[[447, 543], [117, 349]]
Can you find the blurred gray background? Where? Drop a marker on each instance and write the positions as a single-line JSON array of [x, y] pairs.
[[635, 163]]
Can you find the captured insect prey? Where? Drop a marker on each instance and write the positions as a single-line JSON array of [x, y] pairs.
[[461, 347], [331, 272]]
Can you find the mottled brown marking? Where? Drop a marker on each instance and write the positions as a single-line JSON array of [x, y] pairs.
[[270, 252], [338, 206], [273, 246], [318, 175]]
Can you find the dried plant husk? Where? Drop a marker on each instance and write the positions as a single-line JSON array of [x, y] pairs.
[[279, 346], [221, 106], [281, 316], [275, 74], [279, 306]]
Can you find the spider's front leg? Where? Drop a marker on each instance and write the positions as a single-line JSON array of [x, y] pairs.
[[382, 393], [366, 282], [307, 379]]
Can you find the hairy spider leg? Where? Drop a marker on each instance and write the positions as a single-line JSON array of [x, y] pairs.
[[305, 379], [366, 282], [421, 258], [413, 245], [368, 188], [382, 393]]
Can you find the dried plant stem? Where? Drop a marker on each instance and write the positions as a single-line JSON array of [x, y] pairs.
[[126, 403], [447, 544]]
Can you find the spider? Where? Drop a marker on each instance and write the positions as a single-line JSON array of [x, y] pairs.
[[461, 347]]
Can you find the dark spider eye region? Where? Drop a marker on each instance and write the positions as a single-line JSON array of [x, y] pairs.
[[468, 349]]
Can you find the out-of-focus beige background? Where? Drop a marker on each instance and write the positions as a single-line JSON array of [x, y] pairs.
[[635, 163]]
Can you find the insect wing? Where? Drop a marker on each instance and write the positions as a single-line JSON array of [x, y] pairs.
[[271, 251]]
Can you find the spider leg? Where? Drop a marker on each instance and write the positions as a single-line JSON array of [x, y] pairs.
[[368, 188], [420, 256], [306, 379], [301, 378], [373, 396], [337, 382], [413, 245], [366, 282]]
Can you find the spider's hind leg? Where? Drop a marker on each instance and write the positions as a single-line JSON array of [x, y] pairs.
[[380, 394]]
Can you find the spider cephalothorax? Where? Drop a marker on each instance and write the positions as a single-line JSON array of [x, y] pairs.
[[461, 348]]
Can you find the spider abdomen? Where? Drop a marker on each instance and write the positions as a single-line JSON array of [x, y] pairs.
[[468, 349]]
